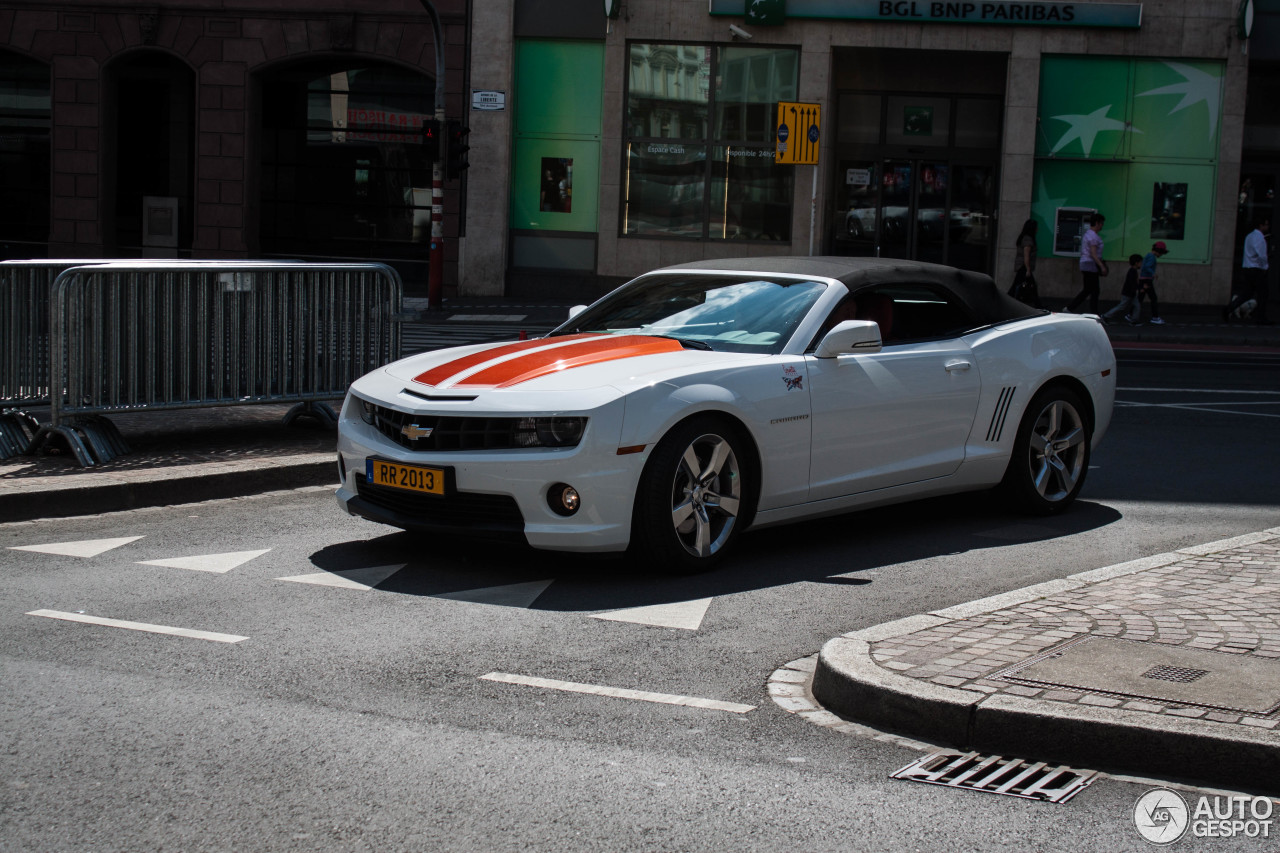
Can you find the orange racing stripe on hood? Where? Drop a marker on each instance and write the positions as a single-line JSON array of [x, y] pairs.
[[443, 372], [591, 350]]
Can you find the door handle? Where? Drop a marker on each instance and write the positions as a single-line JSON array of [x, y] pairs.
[[958, 366]]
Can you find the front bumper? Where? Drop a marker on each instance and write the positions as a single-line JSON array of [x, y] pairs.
[[501, 494]]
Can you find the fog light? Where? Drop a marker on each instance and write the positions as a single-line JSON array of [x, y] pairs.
[[563, 499]]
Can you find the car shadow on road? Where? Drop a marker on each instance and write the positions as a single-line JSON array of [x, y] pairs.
[[835, 550]]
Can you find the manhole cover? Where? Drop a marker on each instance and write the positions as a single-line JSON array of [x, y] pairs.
[[1172, 675]]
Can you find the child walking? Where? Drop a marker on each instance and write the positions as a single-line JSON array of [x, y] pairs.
[[1147, 286], [1128, 304]]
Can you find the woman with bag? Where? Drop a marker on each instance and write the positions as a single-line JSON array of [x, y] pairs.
[[1024, 267]]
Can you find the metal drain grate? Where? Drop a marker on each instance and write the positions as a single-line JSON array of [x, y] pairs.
[[995, 774], [1182, 674]]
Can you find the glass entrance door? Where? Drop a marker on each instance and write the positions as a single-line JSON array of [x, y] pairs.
[[925, 210], [913, 208]]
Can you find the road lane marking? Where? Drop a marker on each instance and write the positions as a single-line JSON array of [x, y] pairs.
[[219, 563], [1198, 407], [138, 626], [84, 548], [687, 615], [361, 580], [508, 595], [618, 692]]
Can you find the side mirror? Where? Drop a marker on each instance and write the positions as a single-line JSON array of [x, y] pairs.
[[576, 310], [849, 337]]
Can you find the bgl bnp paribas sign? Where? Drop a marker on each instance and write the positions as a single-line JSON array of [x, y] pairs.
[[774, 12]]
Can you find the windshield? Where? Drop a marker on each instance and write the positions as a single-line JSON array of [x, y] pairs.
[[733, 313]]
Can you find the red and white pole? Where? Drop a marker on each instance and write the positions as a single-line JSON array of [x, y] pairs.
[[435, 267]]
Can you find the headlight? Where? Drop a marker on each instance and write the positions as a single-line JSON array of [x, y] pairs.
[[367, 411], [549, 432]]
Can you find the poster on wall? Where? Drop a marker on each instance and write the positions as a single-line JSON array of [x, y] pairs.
[[1169, 211], [556, 193], [917, 121]]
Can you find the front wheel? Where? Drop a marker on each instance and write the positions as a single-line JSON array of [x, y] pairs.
[[1051, 453], [692, 500]]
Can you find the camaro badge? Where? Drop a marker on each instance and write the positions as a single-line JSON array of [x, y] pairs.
[[413, 432]]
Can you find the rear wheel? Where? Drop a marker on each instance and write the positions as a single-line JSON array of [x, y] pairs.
[[1051, 453], [692, 500]]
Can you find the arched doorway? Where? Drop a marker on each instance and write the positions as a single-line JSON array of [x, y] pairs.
[[25, 110], [148, 175], [344, 170]]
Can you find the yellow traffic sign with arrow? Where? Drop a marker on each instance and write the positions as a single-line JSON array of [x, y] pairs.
[[798, 131]]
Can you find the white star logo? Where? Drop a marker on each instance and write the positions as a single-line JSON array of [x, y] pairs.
[[1197, 86], [1044, 207], [1087, 127]]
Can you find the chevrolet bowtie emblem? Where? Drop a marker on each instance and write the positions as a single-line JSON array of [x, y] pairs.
[[413, 432]]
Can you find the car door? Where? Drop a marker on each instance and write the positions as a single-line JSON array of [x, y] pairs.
[[901, 415]]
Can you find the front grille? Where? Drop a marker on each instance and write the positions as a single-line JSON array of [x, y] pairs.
[[451, 432], [462, 510]]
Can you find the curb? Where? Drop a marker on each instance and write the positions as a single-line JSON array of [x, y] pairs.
[[92, 494], [848, 682]]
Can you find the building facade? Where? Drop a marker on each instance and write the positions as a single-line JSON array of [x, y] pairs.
[[609, 137], [941, 129], [269, 129]]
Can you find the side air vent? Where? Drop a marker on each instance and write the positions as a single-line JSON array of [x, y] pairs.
[[1002, 410]]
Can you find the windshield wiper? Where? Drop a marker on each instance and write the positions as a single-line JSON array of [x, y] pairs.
[[687, 343]]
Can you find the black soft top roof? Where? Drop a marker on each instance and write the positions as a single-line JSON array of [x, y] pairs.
[[978, 291]]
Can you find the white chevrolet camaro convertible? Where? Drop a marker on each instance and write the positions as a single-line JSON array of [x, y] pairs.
[[699, 400]]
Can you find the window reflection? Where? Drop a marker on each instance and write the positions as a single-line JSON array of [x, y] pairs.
[[345, 170], [668, 91], [665, 189], [750, 195], [672, 188]]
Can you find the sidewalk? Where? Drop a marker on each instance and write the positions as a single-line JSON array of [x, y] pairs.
[[1168, 665]]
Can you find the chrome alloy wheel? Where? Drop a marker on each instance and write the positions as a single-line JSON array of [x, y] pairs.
[[1058, 450], [706, 495]]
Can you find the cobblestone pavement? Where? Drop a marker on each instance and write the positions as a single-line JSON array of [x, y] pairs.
[[1225, 601]]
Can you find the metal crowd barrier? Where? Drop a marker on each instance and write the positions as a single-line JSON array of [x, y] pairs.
[[24, 347], [144, 336]]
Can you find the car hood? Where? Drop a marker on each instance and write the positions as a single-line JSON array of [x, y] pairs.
[[561, 364]]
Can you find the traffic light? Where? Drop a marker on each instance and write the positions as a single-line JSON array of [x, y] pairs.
[[431, 139], [456, 148]]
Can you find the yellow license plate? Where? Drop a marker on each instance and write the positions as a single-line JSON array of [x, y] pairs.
[[413, 478]]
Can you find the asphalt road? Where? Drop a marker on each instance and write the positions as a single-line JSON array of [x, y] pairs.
[[357, 718]]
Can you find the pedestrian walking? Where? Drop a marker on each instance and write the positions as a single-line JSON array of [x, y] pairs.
[[1147, 285], [1253, 273], [1092, 266], [1024, 267], [1127, 307]]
